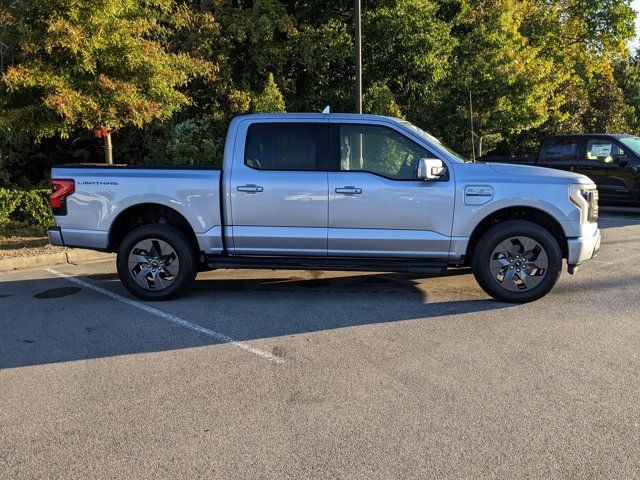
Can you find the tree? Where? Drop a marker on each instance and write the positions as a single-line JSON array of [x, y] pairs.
[[628, 78], [380, 101], [98, 65], [186, 143], [408, 48], [511, 83], [533, 67], [270, 99], [598, 26]]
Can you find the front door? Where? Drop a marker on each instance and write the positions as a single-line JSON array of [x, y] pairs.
[[278, 190], [610, 166], [377, 207]]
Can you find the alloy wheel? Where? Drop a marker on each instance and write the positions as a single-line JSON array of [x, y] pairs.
[[519, 263], [153, 264]]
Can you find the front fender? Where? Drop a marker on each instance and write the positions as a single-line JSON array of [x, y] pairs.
[[550, 199]]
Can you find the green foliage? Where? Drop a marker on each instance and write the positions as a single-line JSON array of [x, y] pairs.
[[270, 100], [8, 203], [607, 111], [628, 80], [27, 207], [408, 48], [190, 142], [584, 39], [512, 84], [533, 67], [5, 177], [91, 64], [380, 101], [239, 102], [322, 69]]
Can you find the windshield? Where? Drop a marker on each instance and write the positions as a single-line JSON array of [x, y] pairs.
[[633, 143], [427, 137]]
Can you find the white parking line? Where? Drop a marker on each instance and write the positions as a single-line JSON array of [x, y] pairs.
[[167, 316]]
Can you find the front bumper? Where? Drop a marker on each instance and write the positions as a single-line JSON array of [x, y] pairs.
[[55, 237], [582, 249]]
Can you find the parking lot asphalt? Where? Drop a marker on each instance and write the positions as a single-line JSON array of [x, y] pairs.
[[278, 374]]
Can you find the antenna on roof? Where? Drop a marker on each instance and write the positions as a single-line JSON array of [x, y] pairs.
[[326, 109]]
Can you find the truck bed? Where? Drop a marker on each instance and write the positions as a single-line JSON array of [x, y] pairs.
[[104, 192]]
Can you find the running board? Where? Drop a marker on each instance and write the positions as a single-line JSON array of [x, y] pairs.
[[431, 267]]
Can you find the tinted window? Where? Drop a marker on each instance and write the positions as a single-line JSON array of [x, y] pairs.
[[280, 146], [603, 151], [562, 150], [379, 150], [633, 143]]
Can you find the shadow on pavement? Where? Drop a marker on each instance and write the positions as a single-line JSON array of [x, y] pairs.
[[612, 218], [49, 320]]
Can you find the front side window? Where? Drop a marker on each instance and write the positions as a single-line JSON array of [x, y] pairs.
[[632, 143], [562, 150], [603, 151], [379, 150], [279, 146]]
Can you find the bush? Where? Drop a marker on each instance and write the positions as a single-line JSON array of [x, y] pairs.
[[380, 101], [26, 207], [270, 100], [191, 142]]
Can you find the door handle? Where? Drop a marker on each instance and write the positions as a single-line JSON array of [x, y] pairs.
[[349, 190], [250, 188]]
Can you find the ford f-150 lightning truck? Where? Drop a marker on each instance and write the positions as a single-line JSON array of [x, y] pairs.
[[332, 192]]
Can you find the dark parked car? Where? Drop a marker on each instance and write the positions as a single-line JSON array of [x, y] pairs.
[[611, 161]]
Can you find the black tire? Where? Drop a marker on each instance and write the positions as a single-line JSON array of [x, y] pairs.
[[493, 239], [187, 266]]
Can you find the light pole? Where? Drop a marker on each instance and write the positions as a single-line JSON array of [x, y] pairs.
[[358, 45], [473, 140]]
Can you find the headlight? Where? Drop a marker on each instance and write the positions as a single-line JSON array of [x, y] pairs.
[[585, 197]]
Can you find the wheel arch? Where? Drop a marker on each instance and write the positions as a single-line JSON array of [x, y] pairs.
[[531, 214], [147, 214]]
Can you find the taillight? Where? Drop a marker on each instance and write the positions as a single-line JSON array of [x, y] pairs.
[[60, 190]]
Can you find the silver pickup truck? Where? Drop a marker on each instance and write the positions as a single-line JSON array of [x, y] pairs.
[[331, 192]]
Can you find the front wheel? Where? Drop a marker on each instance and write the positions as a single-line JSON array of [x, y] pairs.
[[517, 261], [156, 262]]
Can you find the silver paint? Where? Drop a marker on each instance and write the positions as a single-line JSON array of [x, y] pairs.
[[300, 213]]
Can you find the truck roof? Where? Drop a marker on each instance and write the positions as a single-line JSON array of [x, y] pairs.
[[581, 135], [310, 116]]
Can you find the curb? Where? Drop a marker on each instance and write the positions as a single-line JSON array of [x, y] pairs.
[[49, 259]]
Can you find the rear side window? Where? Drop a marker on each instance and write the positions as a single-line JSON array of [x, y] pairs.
[[562, 150], [283, 146]]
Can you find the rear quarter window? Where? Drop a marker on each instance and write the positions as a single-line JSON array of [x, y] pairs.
[[281, 146], [562, 149]]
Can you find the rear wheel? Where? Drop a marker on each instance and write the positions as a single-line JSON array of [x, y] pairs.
[[156, 262], [517, 261]]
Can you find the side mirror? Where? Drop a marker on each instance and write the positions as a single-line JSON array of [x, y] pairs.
[[430, 169]]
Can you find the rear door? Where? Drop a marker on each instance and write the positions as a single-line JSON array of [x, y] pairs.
[[610, 165], [278, 189], [377, 207], [561, 153]]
